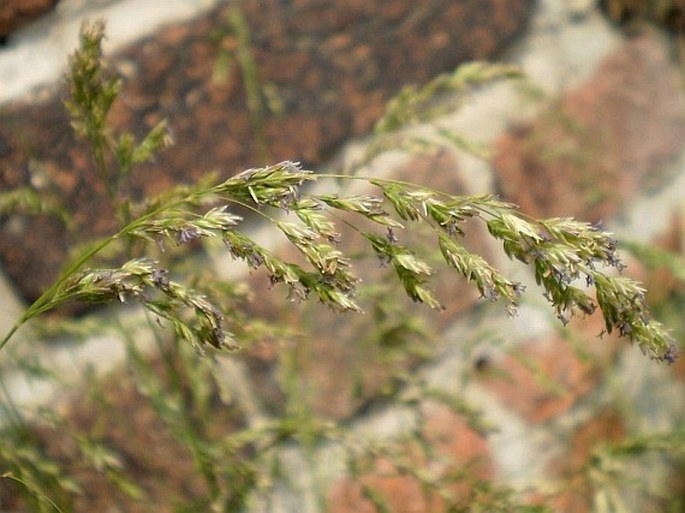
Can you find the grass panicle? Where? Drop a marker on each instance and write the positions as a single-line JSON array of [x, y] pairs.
[[561, 251]]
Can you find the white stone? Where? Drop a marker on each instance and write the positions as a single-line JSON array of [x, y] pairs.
[[36, 56]]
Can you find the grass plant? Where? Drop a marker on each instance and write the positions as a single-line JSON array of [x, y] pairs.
[[576, 265]]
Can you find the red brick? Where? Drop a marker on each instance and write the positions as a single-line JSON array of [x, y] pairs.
[[602, 143], [451, 436], [16, 13], [576, 497], [541, 380]]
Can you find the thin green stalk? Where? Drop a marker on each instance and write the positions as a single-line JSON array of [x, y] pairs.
[[44, 302], [250, 74], [32, 489], [405, 183]]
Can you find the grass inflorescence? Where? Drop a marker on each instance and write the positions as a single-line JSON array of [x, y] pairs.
[[564, 253]]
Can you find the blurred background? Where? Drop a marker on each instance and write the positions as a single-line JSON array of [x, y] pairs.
[[400, 409]]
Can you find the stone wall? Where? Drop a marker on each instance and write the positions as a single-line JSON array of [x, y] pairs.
[[595, 131]]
